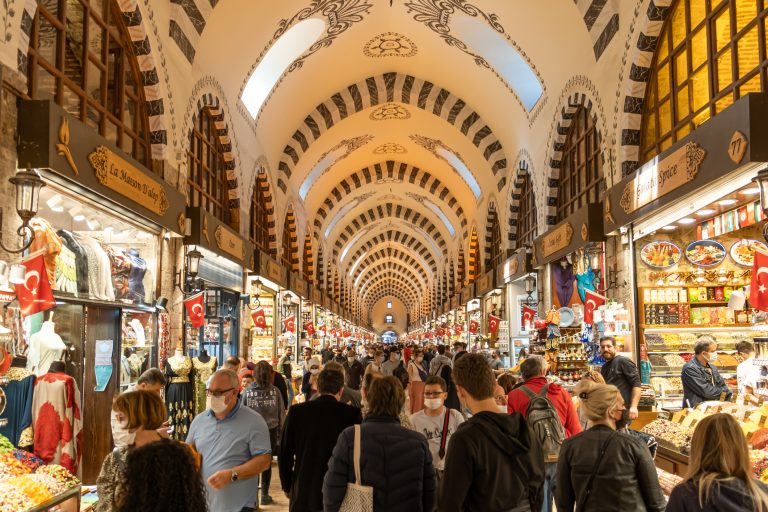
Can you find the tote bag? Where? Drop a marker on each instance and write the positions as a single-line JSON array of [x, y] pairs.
[[359, 498]]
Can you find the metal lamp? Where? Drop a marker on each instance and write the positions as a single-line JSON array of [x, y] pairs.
[[193, 258], [28, 185]]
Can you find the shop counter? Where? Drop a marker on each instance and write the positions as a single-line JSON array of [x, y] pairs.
[[671, 461]]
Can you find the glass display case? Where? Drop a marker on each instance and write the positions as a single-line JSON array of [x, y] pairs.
[[138, 350], [262, 331]]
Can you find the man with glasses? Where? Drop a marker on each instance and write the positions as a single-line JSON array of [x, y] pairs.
[[234, 444], [701, 380]]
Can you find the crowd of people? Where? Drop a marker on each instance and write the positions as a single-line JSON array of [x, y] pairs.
[[414, 428]]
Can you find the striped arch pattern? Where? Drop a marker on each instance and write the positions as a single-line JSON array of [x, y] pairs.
[[462, 270], [524, 171], [388, 170], [452, 279], [602, 21], [308, 260], [263, 187], [396, 254], [412, 273], [319, 272], [383, 279], [188, 19], [399, 238], [640, 72], [473, 260], [145, 58], [336, 285], [393, 87], [289, 230], [398, 289], [382, 275], [575, 101], [212, 103], [383, 211], [491, 223]]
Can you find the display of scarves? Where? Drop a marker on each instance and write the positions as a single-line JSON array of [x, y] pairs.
[[563, 282], [584, 282], [57, 420]]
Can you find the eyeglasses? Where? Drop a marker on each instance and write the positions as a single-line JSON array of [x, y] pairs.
[[216, 393], [433, 394]]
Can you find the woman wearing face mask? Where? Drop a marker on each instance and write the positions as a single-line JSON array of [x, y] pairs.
[[416, 377], [138, 416], [309, 382], [601, 468]]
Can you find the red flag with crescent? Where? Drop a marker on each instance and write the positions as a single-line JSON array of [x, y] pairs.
[[259, 318], [310, 328], [35, 293], [758, 289], [528, 315], [321, 328], [473, 326], [290, 323], [592, 301], [493, 323], [457, 328], [195, 309]]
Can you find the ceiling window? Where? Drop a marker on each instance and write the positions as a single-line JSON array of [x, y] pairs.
[[389, 304], [389, 319], [278, 58]]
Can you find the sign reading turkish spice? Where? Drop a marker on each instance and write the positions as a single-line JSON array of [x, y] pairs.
[[116, 173], [229, 242], [660, 178], [557, 240]]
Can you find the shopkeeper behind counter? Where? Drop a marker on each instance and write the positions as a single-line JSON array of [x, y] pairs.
[[701, 380]]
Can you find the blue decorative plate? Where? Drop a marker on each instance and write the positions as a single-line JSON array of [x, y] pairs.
[[566, 317], [705, 253]]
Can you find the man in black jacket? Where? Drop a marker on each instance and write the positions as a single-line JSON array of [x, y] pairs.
[[495, 464], [701, 380], [622, 373], [310, 433]]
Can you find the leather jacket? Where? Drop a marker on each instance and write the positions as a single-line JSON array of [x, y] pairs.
[[699, 385], [625, 480]]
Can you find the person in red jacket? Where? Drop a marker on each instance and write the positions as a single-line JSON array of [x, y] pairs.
[[534, 371]]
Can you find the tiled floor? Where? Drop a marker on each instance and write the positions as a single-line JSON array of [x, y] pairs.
[[281, 502]]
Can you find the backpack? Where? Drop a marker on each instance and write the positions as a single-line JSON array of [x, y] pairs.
[[401, 374], [545, 423]]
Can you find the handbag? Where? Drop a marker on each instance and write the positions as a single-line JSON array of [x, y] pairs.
[[359, 498]]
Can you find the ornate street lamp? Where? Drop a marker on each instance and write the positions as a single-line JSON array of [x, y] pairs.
[[28, 185]]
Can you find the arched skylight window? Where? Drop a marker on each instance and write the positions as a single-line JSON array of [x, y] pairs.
[[277, 59], [461, 168], [501, 55]]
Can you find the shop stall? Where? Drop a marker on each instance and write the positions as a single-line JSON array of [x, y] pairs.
[[456, 319], [99, 228], [470, 306], [518, 285], [291, 312], [693, 220], [265, 285], [492, 310]]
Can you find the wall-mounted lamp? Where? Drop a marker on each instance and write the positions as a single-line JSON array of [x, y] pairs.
[[28, 185], [186, 280]]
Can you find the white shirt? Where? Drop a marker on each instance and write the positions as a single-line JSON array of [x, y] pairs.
[[432, 428], [747, 374]]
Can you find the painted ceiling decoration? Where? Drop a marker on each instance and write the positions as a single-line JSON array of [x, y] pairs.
[[390, 44], [602, 21], [440, 150], [390, 111], [390, 148], [387, 254], [386, 88]]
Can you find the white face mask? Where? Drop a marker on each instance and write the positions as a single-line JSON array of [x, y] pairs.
[[217, 404], [502, 409], [121, 435], [712, 357], [314, 371], [433, 403]]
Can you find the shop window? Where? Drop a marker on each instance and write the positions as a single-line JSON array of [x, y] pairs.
[[259, 229], [389, 319], [494, 251], [389, 304], [80, 56], [526, 213], [709, 54], [581, 167], [207, 185]]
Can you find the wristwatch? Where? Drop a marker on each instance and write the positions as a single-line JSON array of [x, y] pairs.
[[235, 476]]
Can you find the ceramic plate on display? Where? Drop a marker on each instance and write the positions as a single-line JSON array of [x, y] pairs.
[[566, 317], [705, 253], [661, 254], [743, 251]]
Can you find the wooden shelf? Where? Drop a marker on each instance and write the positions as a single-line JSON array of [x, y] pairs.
[[699, 327]]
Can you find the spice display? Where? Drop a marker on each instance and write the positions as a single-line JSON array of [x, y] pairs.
[[670, 434], [6, 445], [61, 475], [10, 467], [50, 483], [12, 499], [36, 491], [30, 460]]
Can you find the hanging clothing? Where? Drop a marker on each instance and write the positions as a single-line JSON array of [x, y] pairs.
[[66, 271], [81, 259], [57, 420], [136, 276], [179, 396], [416, 377], [120, 265], [47, 239], [18, 409], [100, 275], [5, 364], [203, 372], [563, 282]]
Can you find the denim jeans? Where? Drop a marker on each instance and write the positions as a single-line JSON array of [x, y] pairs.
[[550, 480]]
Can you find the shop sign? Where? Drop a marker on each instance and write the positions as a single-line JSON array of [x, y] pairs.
[[737, 147], [557, 240], [298, 285], [485, 283], [513, 267], [661, 178], [317, 296], [229, 243], [454, 302]]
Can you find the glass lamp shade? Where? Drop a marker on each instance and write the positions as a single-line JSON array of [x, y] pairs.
[[762, 181], [530, 282], [28, 185], [256, 287], [193, 262]]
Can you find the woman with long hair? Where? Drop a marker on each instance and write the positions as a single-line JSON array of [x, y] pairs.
[[417, 375], [602, 468], [162, 477], [720, 472]]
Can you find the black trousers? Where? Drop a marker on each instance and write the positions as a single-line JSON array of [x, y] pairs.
[[266, 476]]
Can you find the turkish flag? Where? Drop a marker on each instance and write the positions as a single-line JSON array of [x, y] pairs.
[[441, 332], [310, 328], [758, 289], [195, 309], [35, 293], [259, 318], [528, 315], [457, 329], [592, 301], [321, 328], [473, 326], [290, 323], [346, 334], [493, 323]]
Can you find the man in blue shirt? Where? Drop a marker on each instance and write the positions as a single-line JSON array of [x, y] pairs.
[[234, 444]]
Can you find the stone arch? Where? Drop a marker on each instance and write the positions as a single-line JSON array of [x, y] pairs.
[[383, 279], [474, 265], [602, 21], [524, 169], [492, 224], [397, 254], [400, 238], [401, 270], [391, 87], [263, 186], [381, 289], [462, 270], [308, 263]]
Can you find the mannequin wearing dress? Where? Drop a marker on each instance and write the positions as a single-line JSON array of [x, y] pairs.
[[18, 410], [138, 329], [179, 394], [204, 366], [45, 346]]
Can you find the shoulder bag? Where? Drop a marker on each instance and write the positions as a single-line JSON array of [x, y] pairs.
[[598, 462], [444, 435], [359, 498]]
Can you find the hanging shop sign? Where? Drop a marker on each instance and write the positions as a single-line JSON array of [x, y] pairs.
[[585, 225], [515, 267], [485, 283], [77, 157], [271, 269], [467, 293], [209, 232], [298, 285], [736, 137], [454, 302]]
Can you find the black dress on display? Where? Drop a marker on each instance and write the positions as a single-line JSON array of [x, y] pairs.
[[179, 396]]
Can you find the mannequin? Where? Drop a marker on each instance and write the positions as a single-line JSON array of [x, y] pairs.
[[58, 431], [18, 410], [138, 329], [178, 393], [136, 276], [45, 346], [204, 366]]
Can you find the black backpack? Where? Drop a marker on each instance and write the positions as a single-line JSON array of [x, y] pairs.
[[401, 374], [545, 423]]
